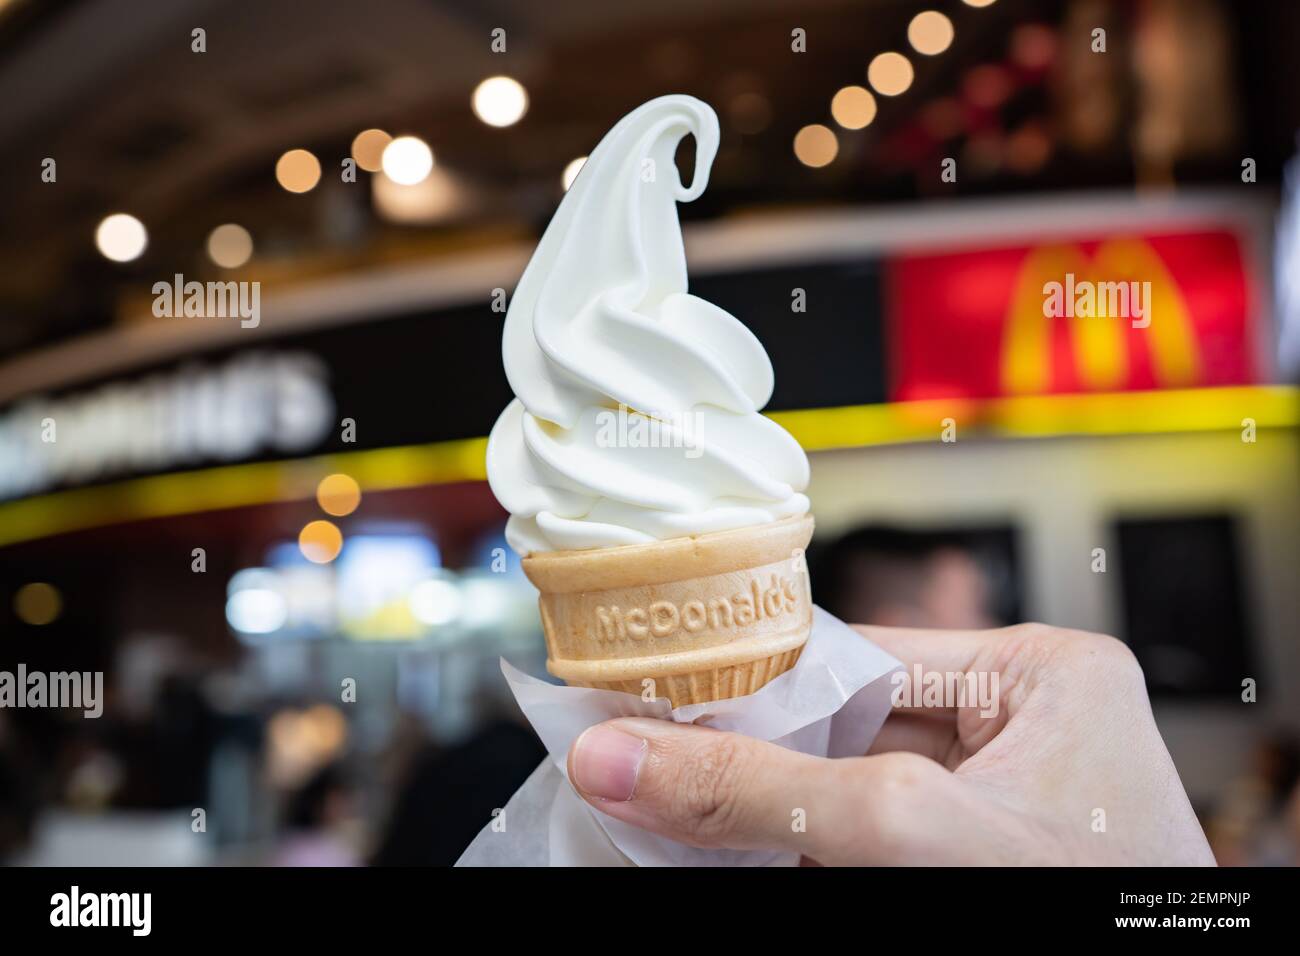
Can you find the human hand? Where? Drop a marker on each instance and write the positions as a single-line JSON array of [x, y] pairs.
[[1069, 770]]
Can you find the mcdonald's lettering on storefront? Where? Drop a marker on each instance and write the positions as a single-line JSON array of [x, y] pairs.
[[1114, 313]]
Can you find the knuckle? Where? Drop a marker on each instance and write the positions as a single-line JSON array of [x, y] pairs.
[[1074, 646], [1030, 641], [901, 775], [892, 790], [1031, 632], [1111, 652]]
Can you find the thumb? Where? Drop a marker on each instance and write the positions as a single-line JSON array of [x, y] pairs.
[[712, 789]]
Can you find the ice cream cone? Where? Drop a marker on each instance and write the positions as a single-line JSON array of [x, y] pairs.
[[705, 617]]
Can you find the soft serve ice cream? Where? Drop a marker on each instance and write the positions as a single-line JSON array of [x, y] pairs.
[[636, 415]]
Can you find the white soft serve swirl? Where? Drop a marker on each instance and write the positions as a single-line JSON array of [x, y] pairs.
[[601, 318]]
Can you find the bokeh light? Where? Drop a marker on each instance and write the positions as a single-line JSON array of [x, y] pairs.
[[435, 601], [930, 32], [1028, 148], [1033, 46], [943, 118], [121, 237], [368, 149], [298, 171], [816, 145], [987, 86], [298, 743], [500, 101], [38, 603], [257, 611], [230, 245], [890, 74], [854, 107], [320, 541], [407, 160], [338, 495]]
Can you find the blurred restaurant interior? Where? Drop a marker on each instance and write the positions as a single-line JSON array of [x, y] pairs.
[[272, 533]]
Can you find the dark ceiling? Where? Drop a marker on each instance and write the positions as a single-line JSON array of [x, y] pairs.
[[185, 141]]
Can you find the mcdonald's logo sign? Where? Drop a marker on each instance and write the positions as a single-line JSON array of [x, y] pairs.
[[1110, 313]]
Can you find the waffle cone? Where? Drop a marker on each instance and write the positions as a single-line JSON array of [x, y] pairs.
[[705, 617]]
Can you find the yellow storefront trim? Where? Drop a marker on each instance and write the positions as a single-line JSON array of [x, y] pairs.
[[818, 429]]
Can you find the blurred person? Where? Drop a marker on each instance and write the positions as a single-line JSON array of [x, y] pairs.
[[1255, 822], [1232, 828], [317, 821], [18, 795], [449, 794], [1276, 762], [904, 578], [165, 747], [1291, 828]]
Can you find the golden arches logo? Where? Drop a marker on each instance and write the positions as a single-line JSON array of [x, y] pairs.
[[1099, 343]]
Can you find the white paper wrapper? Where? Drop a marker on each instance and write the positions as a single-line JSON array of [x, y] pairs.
[[831, 703]]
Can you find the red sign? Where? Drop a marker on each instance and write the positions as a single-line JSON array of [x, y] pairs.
[[1103, 314]]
